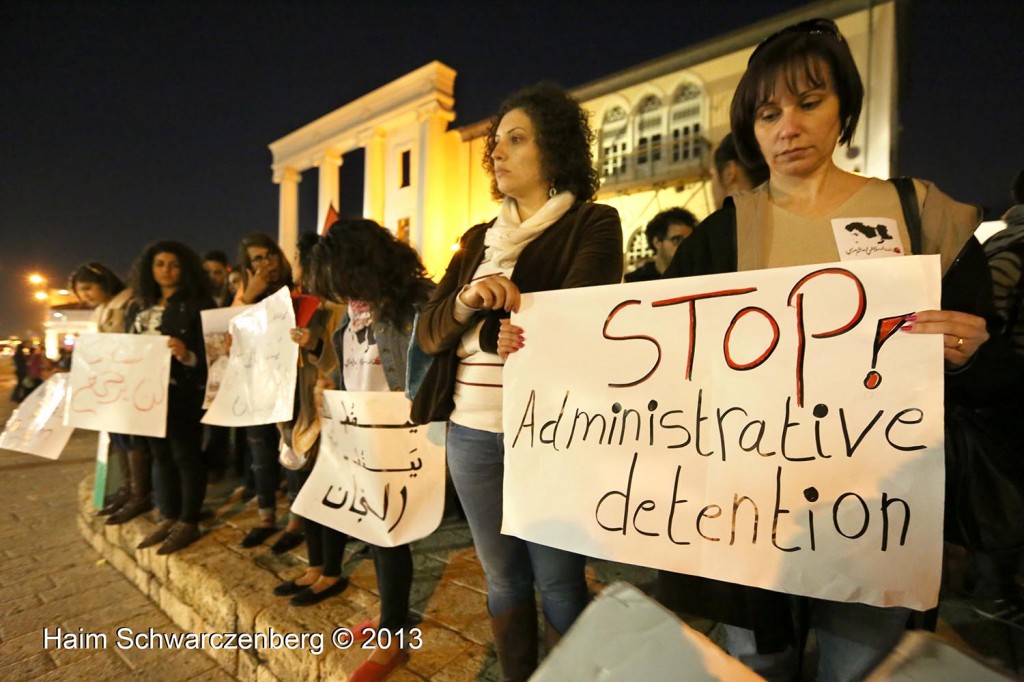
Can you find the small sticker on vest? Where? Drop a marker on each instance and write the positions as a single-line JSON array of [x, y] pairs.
[[867, 238]]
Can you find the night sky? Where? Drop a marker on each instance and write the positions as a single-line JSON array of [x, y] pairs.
[[126, 122]]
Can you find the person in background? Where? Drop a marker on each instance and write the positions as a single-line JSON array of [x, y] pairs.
[[266, 271], [170, 288], [664, 233], [800, 96], [98, 287], [215, 265], [216, 439], [730, 174], [235, 280], [548, 235]]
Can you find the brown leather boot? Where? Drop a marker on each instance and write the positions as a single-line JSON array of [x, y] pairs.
[[515, 641], [140, 477], [551, 636]]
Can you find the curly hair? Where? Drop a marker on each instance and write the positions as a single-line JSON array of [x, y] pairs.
[[96, 273], [191, 284], [563, 134], [358, 259]]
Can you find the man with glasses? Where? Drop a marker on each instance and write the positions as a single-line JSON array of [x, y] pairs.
[[664, 233]]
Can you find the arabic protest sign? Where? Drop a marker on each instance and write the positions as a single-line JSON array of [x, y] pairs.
[[118, 383], [769, 428], [215, 337], [37, 425], [258, 385], [376, 477]]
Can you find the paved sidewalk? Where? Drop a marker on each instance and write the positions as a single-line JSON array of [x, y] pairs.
[[51, 578]]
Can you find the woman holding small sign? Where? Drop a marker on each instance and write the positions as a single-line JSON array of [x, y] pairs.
[[170, 289], [548, 235], [384, 283], [801, 96]]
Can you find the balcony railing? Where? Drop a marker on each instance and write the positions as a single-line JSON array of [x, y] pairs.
[[655, 165]]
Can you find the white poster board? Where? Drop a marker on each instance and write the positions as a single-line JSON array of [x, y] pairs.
[[723, 427], [36, 427], [625, 636], [258, 386], [376, 477], [118, 383], [215, 338]]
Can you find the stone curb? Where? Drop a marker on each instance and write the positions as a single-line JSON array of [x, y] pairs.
[[214, 586]]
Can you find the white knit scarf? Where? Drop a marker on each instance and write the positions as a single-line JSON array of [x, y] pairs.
[[508, 236]]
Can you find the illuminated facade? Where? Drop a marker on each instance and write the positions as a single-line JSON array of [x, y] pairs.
[[656, 124]]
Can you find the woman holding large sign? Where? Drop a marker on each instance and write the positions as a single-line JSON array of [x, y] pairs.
[[383, 282], [801, 96], [170, 288], [548, 235]]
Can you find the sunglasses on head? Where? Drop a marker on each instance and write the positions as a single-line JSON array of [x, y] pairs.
[[810, 27]]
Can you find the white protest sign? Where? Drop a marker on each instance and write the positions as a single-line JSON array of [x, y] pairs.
[[258, 386], [118, 383], [769, 428], [215, 337], [37, 425], [376, 477]]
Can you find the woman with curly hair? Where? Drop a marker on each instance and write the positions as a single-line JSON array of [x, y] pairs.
[[170, 289], [548, 235], [384, 284]]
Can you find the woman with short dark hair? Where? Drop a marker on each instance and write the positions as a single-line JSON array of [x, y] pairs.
[[548, 235], [801, 96]]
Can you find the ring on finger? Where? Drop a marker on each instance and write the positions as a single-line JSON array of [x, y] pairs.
[[959, 342]]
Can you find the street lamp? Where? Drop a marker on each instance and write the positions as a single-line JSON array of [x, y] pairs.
[[36, 279], [41, 295]]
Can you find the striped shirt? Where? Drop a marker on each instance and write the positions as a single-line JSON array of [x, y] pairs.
[[478, 377]]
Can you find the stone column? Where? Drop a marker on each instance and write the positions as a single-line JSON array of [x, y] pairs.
[[288, 211], [373, 181], [329, 193]]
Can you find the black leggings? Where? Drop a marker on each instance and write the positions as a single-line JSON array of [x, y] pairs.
[[394, 580], [178, 458], [325, 547]]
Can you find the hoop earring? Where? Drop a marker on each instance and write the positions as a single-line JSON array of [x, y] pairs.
[[552, 192]]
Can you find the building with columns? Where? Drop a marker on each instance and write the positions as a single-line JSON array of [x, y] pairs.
[[655, 124]]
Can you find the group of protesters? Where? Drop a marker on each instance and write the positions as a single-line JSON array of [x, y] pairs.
[[778, 189]]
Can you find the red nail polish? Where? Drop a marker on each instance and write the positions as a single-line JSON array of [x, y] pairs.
[[911, 318], [906, 327]]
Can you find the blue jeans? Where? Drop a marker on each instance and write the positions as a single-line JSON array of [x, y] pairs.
[[476, 460], [852, 640]]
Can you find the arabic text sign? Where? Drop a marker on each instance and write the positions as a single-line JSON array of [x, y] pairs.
[[768, 428], [376, 477], [215, 336], [258, 386], [118, 383], [37, 425]]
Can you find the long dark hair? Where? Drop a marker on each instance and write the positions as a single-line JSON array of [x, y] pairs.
[[358, 259], [563, 136], [96, 273], [191, 283]]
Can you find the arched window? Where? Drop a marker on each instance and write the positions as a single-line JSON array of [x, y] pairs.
[[614, 143], [685, 124], [638, 251], [649, 124]]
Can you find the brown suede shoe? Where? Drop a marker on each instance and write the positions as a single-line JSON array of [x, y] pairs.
[[159, 534], [183, 535]]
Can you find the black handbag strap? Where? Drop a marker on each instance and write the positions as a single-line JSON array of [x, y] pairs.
[[911, 211]]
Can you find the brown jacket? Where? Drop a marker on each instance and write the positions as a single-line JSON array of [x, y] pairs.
[[583, 248]]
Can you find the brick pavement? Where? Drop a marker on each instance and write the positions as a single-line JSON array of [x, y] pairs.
[[51, 578]]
